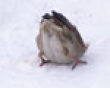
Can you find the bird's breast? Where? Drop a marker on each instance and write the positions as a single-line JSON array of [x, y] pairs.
[[53, 49]]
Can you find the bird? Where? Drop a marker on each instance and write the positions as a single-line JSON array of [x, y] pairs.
[[59, 41]]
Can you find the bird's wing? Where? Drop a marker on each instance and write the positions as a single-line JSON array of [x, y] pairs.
[[66, 22]]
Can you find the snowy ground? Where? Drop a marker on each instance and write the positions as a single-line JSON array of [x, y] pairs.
[[19, 25]]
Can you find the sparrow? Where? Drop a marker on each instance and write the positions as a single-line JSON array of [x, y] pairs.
[[59, 41]]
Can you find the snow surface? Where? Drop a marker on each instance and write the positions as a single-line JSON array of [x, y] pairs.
[[19, 25]]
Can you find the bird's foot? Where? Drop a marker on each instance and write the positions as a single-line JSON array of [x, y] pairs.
[[77, 61], [43, 61]]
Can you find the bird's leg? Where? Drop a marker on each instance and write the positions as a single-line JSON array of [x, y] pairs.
[[43, 61], [77, 61]]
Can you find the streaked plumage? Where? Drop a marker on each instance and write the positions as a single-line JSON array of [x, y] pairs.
[[59, 41]]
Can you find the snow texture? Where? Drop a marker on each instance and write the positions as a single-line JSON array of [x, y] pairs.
[[19, 25]]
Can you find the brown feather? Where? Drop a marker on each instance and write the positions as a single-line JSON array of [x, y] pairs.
[[62, 19]]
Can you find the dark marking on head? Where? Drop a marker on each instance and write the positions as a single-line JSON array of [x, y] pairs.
[[46, 16], [59, 16]]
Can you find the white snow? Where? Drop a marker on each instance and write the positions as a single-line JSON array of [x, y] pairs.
[[19, 25]]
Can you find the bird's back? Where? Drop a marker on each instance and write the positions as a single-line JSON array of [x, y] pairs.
[[72, 34]]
